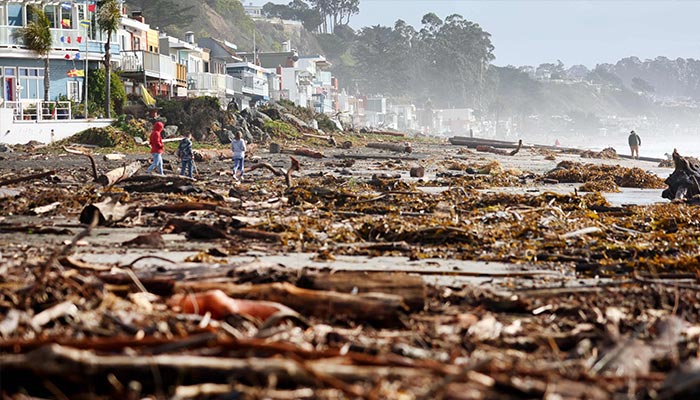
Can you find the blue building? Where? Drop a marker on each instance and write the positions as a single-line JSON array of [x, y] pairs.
[[77, 43]]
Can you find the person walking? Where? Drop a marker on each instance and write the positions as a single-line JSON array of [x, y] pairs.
[[184, 152], [634, 141], [238, 148], [157, 148]]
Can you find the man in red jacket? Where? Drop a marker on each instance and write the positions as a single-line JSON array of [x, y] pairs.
[[157, 147]]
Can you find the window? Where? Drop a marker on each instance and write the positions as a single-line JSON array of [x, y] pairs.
[[14, 15], [74, 90], [31, 82], [50, 12]]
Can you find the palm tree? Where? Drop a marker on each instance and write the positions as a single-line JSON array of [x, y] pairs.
[[36, 36], [108, 19]]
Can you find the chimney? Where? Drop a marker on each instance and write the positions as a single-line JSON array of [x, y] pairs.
[[189, 37], [287, 46]]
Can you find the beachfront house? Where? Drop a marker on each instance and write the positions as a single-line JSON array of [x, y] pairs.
[[143, 65], [78, 44]]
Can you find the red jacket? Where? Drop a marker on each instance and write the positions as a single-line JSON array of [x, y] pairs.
[[156, 139]]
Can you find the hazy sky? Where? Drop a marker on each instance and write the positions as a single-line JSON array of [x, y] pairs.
[[526, 32]]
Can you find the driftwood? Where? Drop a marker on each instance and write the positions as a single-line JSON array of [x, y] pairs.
[[303, 152], [376, 157], [494, 150], [26, 178], [683, 182], [295, 166], [410, 287], [160, 184], [183, 207], [80, 153], [86, 368], [399, 148], [201, 231], [116, 175], [372, 307], [385, 133]]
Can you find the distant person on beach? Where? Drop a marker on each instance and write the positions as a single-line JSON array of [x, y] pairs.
[[238, 148], [634, 141], [157, 148], [184, 153]]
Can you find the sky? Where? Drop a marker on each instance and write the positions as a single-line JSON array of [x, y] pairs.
[[528, 32]]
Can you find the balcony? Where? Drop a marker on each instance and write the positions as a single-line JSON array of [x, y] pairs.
[[39, 110], [9, 38], [152, 65], [217, 85]]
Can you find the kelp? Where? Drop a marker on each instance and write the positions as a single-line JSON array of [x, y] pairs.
[[573, 172]]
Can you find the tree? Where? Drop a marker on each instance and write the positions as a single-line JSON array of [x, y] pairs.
[[108, 19], [36, 35], [640, 85]]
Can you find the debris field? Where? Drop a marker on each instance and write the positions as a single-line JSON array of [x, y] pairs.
[[331, 272]]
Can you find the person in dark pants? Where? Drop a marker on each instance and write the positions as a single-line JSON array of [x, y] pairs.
[[184, 152], [634, 141]]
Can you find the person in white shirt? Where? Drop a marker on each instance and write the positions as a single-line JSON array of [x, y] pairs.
[[238, 149]]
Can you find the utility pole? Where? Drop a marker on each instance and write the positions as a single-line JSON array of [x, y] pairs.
[[87, 39]]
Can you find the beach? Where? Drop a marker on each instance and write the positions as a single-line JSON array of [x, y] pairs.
[[484, 264]]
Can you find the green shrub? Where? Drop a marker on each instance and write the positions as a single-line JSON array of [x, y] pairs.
[[279, 129]]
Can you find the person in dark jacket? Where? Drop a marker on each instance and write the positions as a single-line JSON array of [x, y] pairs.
[[634, 141], [157, 147], [184, 152]]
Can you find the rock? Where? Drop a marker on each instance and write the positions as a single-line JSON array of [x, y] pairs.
[[170, 131], [264, 116], [5, 148], [417, 172], [289, 118]]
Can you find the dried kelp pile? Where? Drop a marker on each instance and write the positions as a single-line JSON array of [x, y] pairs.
[[215, 326], [573, 172]]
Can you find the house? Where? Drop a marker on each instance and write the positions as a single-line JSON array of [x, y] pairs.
[[252, 10], [257, 82], [78, 45], [143, 63], [222, 53]]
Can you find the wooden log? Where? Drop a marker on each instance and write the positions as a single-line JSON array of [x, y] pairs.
[[183, 207], [683, 182], [385, 133], [311, 135], [399, 148], [306, 153], [371, 307], [160, 184], [410, 287], [26, 178], [116, 175], [494, 150], [83, 371], [375, 157], [295, 166]]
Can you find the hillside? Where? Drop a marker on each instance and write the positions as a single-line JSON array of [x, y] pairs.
[[226, 19], [446, 62]]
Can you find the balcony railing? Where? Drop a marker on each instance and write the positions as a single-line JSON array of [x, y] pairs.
[[9, 37], [216, 84], [40, 110]]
